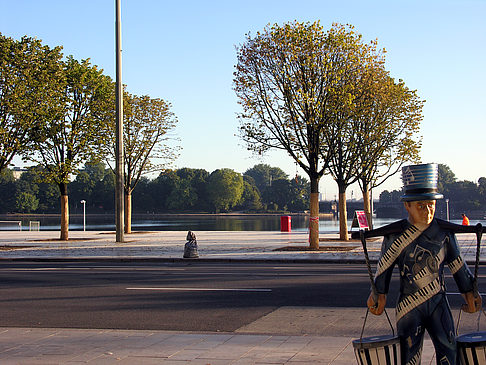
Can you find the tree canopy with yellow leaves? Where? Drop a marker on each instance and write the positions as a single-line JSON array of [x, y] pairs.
[[300, 88]]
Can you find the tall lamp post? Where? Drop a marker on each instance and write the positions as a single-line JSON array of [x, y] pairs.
[[84, 214], [119, 192], [447, 209]]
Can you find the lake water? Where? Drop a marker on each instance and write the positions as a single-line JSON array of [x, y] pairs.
[[183, 223]]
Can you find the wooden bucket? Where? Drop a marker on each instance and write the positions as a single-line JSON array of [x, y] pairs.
[[471, 348], [377, 350]]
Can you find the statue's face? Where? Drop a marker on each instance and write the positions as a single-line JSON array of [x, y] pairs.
[[420, 211]]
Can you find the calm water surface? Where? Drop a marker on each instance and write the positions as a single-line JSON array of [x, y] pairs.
[[185, 223]]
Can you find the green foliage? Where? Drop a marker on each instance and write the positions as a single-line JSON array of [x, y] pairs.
[[148, 124], [102, 197], [6, 176], [284, 79], [7, 191], [277, 194], [89, 185], [225, 188], [390, 196], [31, 181], [26, 202], [250, 199], [264, 174], [182, 190], [161, 188], [388, 117], [30, 74], [182, 197], [143, 196], [299, 194], [445, 177], [72, 136]]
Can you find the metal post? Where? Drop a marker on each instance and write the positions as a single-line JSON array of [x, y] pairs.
[[447, 209], [84, 214], [119, 201]]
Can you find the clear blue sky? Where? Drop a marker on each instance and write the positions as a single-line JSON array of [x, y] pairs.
[[184, 52]]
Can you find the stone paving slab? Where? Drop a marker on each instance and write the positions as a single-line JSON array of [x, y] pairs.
[[41, 346], [340, 322], [292, 341]]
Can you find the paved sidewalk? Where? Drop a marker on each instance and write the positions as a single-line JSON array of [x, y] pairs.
[[251, 344], [71, 346], [212, 245]]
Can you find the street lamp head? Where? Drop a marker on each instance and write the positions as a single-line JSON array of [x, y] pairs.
[[83, 201]]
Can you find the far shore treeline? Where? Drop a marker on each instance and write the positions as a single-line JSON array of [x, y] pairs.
[[261, 189]]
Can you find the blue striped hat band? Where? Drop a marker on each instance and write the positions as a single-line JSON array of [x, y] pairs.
[[420, 182]]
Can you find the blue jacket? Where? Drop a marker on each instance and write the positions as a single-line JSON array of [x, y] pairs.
[[421, 257]]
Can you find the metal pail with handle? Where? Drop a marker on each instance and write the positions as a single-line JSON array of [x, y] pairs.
[[471, 348], [377, 350], [381, 349]]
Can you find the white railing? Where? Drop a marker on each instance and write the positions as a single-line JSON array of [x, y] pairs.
[[11, 223]]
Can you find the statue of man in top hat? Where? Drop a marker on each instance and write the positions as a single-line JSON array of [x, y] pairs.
[[421, 250]]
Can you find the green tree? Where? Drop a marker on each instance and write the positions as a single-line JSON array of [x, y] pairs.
[[31, 182], [482, 190], [355, 129], [86, 181], [225, 188], [289, 81], [142, 195], [264, 174], [445, 178], [390, 196], [7, 191], [250, 199], [104, 191], [299, 194], [182, 196], [389, 116], [386, 117], [147, 126], [482, 185], [464, 196], [29, 77], [27, 186], [26, 202], [189, 190], [161, 188], [72, 137], [277, 195]]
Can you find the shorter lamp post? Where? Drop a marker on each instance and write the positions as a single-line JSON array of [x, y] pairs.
[[447, 209], [84, 214]]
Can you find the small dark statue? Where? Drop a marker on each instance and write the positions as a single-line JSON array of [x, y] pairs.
[[190, 248]]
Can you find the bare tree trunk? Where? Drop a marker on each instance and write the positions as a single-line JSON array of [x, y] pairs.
[[128, 212], [343, 216], [367, 206], [64, 217], [314, 222], [314, 214]]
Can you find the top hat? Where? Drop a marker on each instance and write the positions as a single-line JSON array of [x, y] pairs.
[[420, 182]]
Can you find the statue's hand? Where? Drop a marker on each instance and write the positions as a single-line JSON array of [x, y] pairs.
[[376, 303], [473, 302]]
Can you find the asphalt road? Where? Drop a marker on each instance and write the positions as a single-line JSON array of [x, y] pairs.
[[193, 296]]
